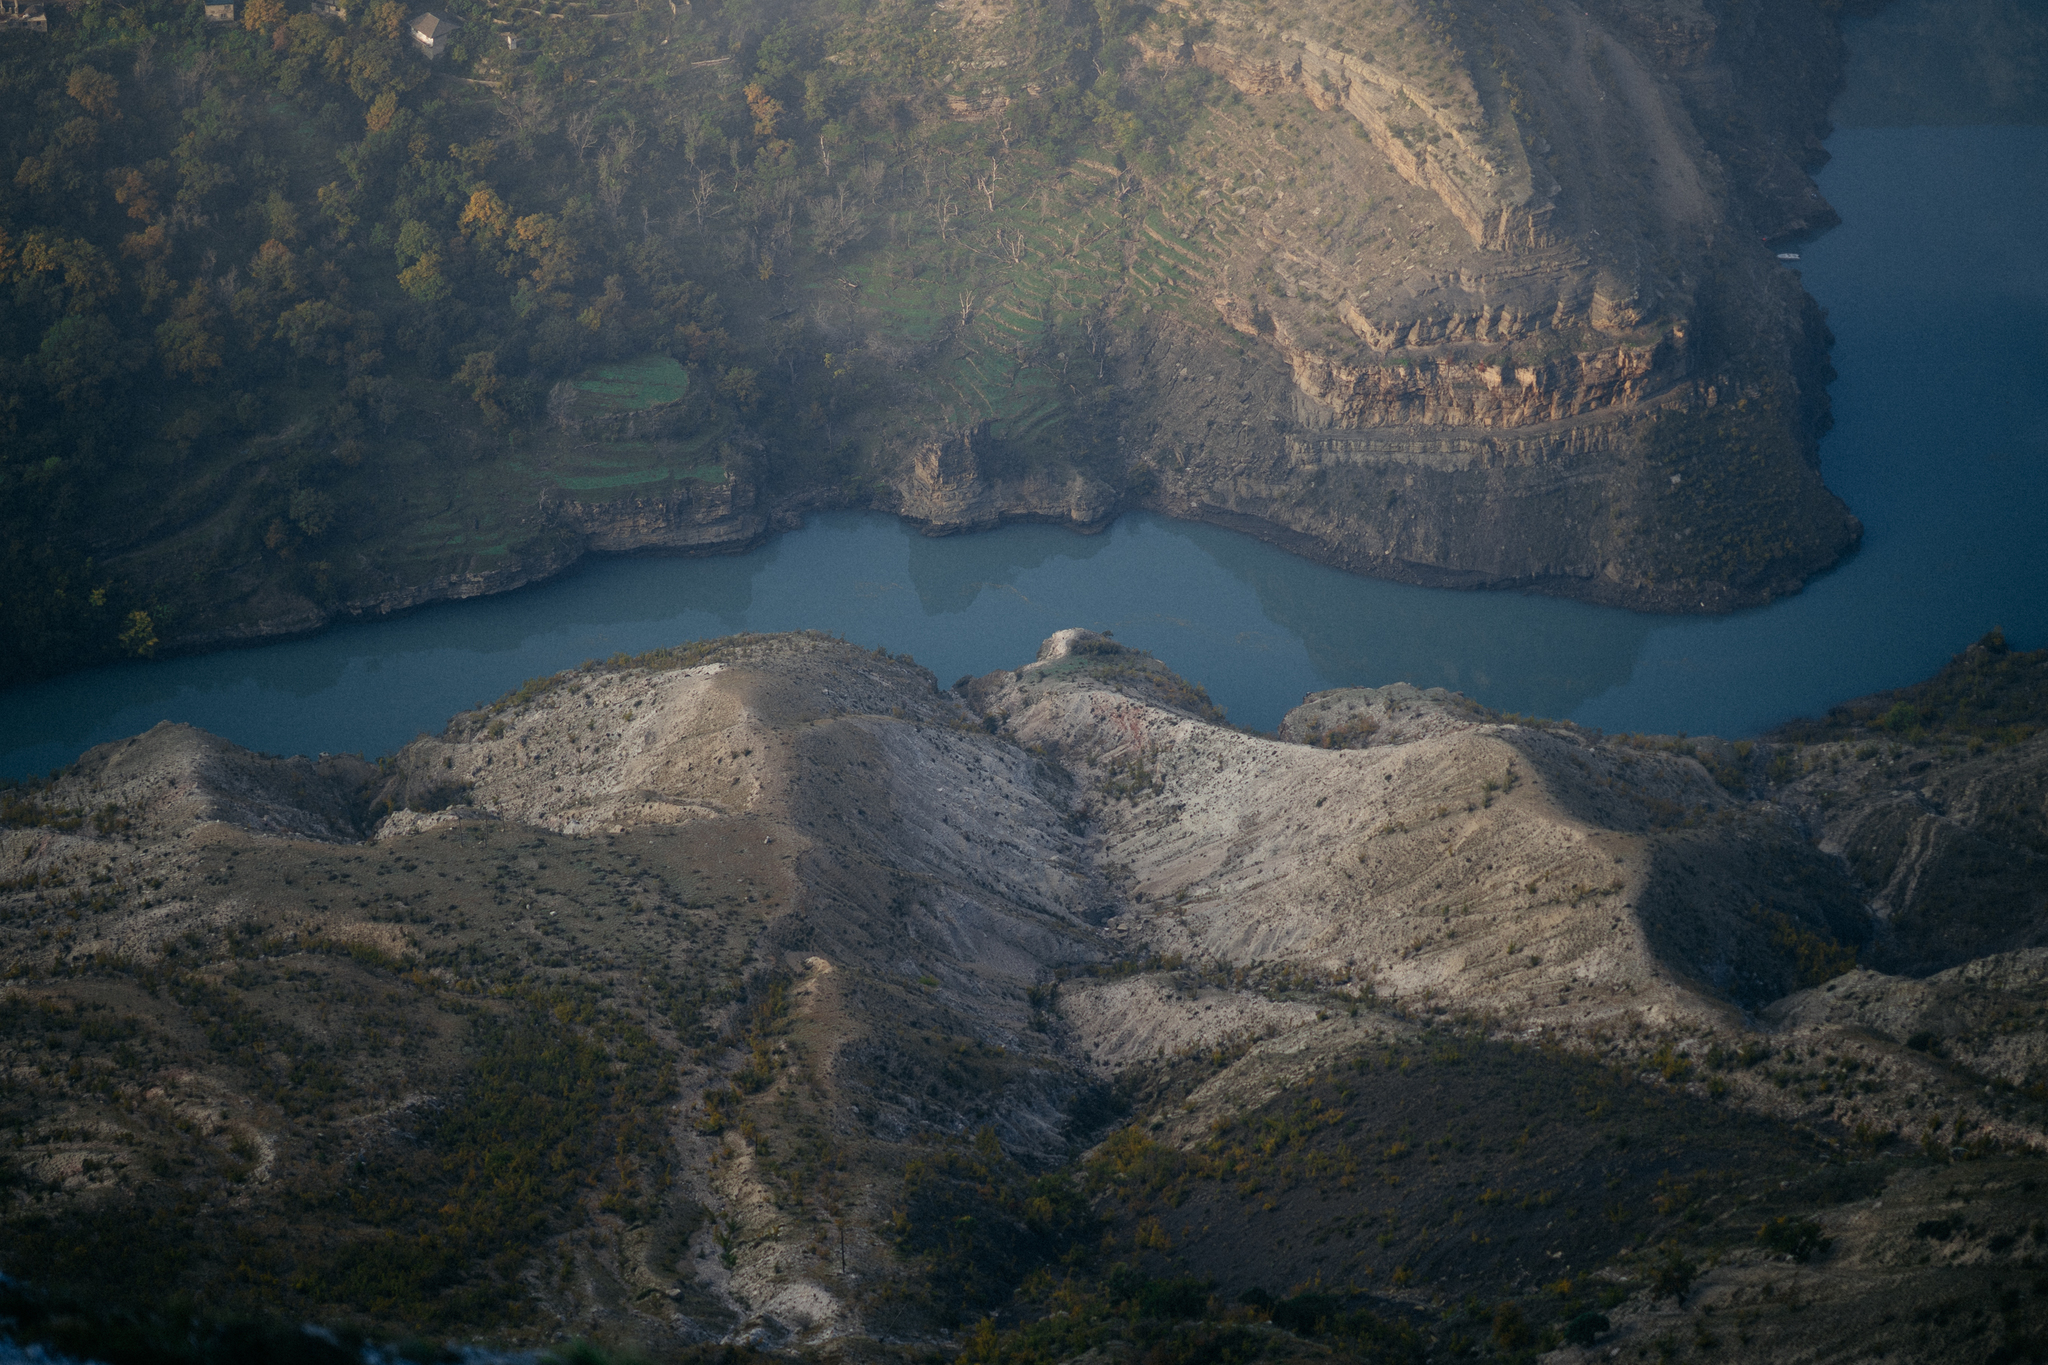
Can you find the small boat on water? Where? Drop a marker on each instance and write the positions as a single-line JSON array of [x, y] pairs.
[[1788, 255]]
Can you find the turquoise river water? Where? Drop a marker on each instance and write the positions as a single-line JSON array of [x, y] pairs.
[[1937, 291]]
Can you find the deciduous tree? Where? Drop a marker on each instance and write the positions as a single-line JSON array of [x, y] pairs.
[[188, 342], [96, 90], [261, 16]]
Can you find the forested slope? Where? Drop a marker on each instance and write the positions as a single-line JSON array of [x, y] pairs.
[[274, 313], [301, 323]]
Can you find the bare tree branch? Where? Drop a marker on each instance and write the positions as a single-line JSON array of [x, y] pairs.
[[581, 130]]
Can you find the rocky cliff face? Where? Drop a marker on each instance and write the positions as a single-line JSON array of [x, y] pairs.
[[721, 516], [1498, 277], [951, 486], [1433, 128], [821, 923], [1478, 296], [691, 519]]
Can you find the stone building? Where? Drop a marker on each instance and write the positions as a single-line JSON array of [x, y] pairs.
[[433, 33], [24, 14]]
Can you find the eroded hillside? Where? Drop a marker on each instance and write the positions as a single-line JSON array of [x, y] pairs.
[[760, 990]]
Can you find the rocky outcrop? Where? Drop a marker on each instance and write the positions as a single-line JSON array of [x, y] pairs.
[[535, 565], [1578, 228], [173, 779], [885, 936], [1425, 472], [1500, 393], [953, 485], [694, 516], [1436, 135]]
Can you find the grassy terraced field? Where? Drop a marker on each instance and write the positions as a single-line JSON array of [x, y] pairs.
[[631, 385], [1012, 333]]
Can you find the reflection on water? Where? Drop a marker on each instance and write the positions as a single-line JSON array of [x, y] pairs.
[[1257, 626], [1938, 296], [1535, 655], [953, 571]]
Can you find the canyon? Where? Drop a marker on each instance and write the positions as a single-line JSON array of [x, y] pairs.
[[1468, 295], [1467, 299]]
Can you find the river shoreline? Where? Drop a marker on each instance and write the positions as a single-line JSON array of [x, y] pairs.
[[1941, 445]]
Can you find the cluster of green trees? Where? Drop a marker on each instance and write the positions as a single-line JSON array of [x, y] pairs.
[[979, 1223], [235, 256], [209, 232], [1990, 695]]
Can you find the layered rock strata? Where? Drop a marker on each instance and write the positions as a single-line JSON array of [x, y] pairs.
[[1500, 277]]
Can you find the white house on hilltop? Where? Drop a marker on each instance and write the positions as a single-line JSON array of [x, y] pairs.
[[433, 33]]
